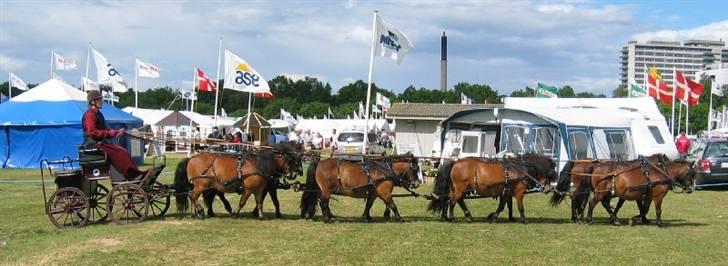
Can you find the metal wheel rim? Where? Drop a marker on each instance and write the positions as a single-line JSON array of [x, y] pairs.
[[97, 202], [128, 203], [158, 200], [68, 207]]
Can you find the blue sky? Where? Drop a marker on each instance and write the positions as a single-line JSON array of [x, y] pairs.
[[506, 44]]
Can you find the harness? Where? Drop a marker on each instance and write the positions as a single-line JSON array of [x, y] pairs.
[[236, 182], [384, 167]]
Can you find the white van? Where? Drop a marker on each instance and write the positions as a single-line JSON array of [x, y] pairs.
[[352, 142]]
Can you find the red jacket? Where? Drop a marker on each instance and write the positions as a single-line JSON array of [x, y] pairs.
[[682, 144]]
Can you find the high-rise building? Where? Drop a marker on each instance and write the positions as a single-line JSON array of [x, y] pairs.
[[688, 57]]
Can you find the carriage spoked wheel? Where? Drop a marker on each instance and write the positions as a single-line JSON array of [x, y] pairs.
[[97, 203], [128, 203], [68, 207], [159, 200]]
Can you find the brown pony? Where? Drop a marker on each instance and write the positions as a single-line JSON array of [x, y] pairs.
[[245, 173], [630, 180], [368, 179], [504, 179], [575, 172], [681, 174]]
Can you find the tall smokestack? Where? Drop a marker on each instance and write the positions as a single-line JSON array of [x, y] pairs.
[[443, 62]]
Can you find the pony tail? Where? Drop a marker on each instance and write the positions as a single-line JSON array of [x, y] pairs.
[[442, 187], [583, 191], [562, 185], [311, 192], [182, 186]]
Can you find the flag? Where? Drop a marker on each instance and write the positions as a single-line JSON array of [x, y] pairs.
[[546, 91], [106, 73], [464, 99], [383, 101], [109, 96], [240, 76], [15, 81], [716, 89], [362, 111], [63, 63], [189, 95], [264, 95], [687, 90], [659, 90], [204, 83], [655, 73], [637, 91], [222, 112], [119, 87], [390, 42], [299, 118], [330, 113], [375, 109], [147, 70], [286, 116], [89, 85]]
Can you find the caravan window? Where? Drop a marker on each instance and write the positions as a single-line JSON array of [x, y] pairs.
[[618, 145], [580, 145], [656, 134], [544, 140], [470, 144], [515, 139]]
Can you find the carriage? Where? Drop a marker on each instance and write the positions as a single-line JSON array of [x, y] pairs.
[[80, 198]]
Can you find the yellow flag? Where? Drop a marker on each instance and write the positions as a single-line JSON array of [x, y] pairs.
[[655, 73]]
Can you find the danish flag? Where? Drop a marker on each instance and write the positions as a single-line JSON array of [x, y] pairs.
[[204, 82]]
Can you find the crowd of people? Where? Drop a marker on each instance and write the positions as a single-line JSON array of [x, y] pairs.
[[319, 141]]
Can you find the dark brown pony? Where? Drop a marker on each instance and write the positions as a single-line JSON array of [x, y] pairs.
[[274, 182], [504, 179], [631, 180], [245, 173], [576, 173], [369, 179], [681, 174]]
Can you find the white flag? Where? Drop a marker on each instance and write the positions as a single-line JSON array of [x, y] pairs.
[[716, 89], [106, 73], [330, 113], [64, 63], [383, 101], [390, 42], [189, 95], [89, 85], [147, 70], [15, 81], [109, 96], [119, 87], [375, 109], [362, 111], [464, 99], [240, 76]]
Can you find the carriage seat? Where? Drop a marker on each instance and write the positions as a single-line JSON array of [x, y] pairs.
[[93, 161]]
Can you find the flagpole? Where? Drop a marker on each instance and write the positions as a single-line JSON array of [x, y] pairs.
[[136, 84], [247, 123], [679, 115], [192, 109], [369, 83], [10, 85], [52, 59], [88, 60], [217, 79], [710, 111], [687, 118], [672, 116]]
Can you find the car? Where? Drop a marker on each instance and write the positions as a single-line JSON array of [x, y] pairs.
[[712, 163], [352, 142]]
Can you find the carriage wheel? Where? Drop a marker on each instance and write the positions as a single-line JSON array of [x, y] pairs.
[[97, 202], [158, 200], [68, 207], [128, 203]]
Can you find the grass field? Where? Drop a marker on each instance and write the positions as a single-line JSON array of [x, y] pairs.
[[696, 234]]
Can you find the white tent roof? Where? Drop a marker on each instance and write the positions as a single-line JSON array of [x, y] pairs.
[[150, 116], [54, 90]]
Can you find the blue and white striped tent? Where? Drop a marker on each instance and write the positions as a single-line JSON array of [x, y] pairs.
[[45, 123]]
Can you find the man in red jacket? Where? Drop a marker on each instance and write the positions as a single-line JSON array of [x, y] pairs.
[[95, 132], [683, 145]]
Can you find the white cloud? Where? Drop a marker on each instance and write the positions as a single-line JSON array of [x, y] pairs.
[[712, 31], [559, 8], [9, 63]]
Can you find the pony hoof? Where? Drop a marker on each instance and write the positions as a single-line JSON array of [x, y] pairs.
[[661, 225], [279, 216], [366, 219], [468, 219], [523, 221], [398, 219], [645, 221], [511, 219]]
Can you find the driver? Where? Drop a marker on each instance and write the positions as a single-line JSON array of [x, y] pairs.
[[95, 132]]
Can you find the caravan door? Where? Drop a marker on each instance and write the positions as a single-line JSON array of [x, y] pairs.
[[470, 146]]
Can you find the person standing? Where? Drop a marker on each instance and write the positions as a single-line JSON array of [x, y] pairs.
[[683, 145]]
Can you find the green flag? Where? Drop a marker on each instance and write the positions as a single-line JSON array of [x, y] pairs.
[[546, 91], [637, 91]]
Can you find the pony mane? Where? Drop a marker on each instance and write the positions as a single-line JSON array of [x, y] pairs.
[[264, 162]]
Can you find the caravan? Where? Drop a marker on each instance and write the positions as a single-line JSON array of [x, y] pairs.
[[566, 129]]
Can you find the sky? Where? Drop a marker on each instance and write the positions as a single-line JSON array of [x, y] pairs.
[[505, 44]]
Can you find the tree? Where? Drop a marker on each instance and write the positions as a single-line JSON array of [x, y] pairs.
[[480, 93], [526, 92], [317, 109], [588, 94], [566, 92], [620, 91]]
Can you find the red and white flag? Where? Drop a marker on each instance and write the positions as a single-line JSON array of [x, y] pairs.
[[64, 63], [264, 95], [659, 90], [687, 90], [204, 83]]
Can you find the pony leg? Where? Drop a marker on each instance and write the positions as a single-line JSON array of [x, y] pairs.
[[519, 201], [593, 203], [641, 207], [613, 217], [259, 197], [325, 210], [194, 195], [502, 200], [243, 200], [365, 216], [646, 204], [228, 208], [387, 213], [509, 202], [658, 212], [273, 190], [208, 197], [466, 212]]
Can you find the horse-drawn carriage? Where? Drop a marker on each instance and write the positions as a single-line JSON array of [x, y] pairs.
[[80, 198]]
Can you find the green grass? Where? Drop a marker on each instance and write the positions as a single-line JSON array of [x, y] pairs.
[[696, 234]]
